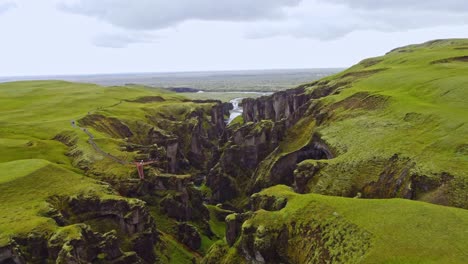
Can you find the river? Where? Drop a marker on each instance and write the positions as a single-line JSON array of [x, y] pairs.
[[237, 109]]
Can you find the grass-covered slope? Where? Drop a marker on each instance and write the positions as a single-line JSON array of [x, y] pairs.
[[25, 187], [322, 229], [57, 139], [34, 113], [396, 124], [43, 155]]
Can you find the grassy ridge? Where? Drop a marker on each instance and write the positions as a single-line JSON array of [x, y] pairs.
[[401, 231], [25, 185], [412, 102], [42, 154], [425, 114], [35, 165], [33, 113]]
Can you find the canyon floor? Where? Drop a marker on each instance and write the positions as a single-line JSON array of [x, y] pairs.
[[369, 165]]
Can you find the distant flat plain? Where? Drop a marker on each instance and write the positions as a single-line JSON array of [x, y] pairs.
[[215, 84]]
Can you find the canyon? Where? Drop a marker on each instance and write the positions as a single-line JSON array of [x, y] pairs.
[[332, 171]]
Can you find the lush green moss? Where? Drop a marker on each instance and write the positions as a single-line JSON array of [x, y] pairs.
[[25, 187], [237, 122], [398, 231], [218, 227], [410, 102], [176, 252]]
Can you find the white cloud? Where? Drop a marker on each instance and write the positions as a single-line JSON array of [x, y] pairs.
[[414, 5], [328, 20], [316, 19], [289, 36], [6, 5], [157, 14]]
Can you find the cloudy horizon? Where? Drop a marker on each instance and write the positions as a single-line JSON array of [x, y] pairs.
[[69, 37]]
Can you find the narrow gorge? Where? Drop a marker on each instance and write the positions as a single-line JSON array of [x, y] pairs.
[[346, 169]]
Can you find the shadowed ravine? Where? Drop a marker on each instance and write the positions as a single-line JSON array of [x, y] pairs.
[[346, 169]]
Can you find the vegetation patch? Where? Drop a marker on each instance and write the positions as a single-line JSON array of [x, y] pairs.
[[362, 74], [453, 59], [149, 99], [109, 125], [362, 100], [315, 229], [370, 62]]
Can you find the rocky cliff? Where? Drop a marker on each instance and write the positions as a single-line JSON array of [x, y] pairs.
[[284, 184], [91, 229]]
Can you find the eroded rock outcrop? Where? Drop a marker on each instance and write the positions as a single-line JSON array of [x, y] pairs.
[[279, 169], [190, 141], [189, 235], [243, 166], [399, 180], [186, 205], [109, 125], [234, 226], [11, 254], [91, 229], [275, 107], [247, 147], [266, 202], [313, 234]]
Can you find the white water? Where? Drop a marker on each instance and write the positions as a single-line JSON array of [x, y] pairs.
[[237, 110]]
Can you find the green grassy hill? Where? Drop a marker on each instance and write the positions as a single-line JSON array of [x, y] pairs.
[[45, 153], [314, 229], [34, 166], [403, 115], [393, 126], [25, 187]]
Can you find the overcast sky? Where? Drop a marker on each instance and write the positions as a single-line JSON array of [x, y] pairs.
[[49, 37]]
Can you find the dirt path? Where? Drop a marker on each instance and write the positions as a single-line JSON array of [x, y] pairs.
[[97, 148]]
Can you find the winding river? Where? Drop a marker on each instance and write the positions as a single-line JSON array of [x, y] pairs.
[[237, 109]]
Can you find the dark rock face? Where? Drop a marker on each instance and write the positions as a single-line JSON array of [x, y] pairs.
[[267, 120], [84, 248], [109, 125], [188, 235], [97, 240], [185, 206], [276, 107], [282, 170], [130, 218], [393, 181], [190, 143], [234, 226], [136, 188], [247, 147], [398, 181], [262, 245], [143, 246], [301, 244], [303, 174], [33, 247], [268, 203], [11, 254], [223, 186], [73, 244]]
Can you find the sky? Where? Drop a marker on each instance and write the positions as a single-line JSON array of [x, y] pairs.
[[64, 37]]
